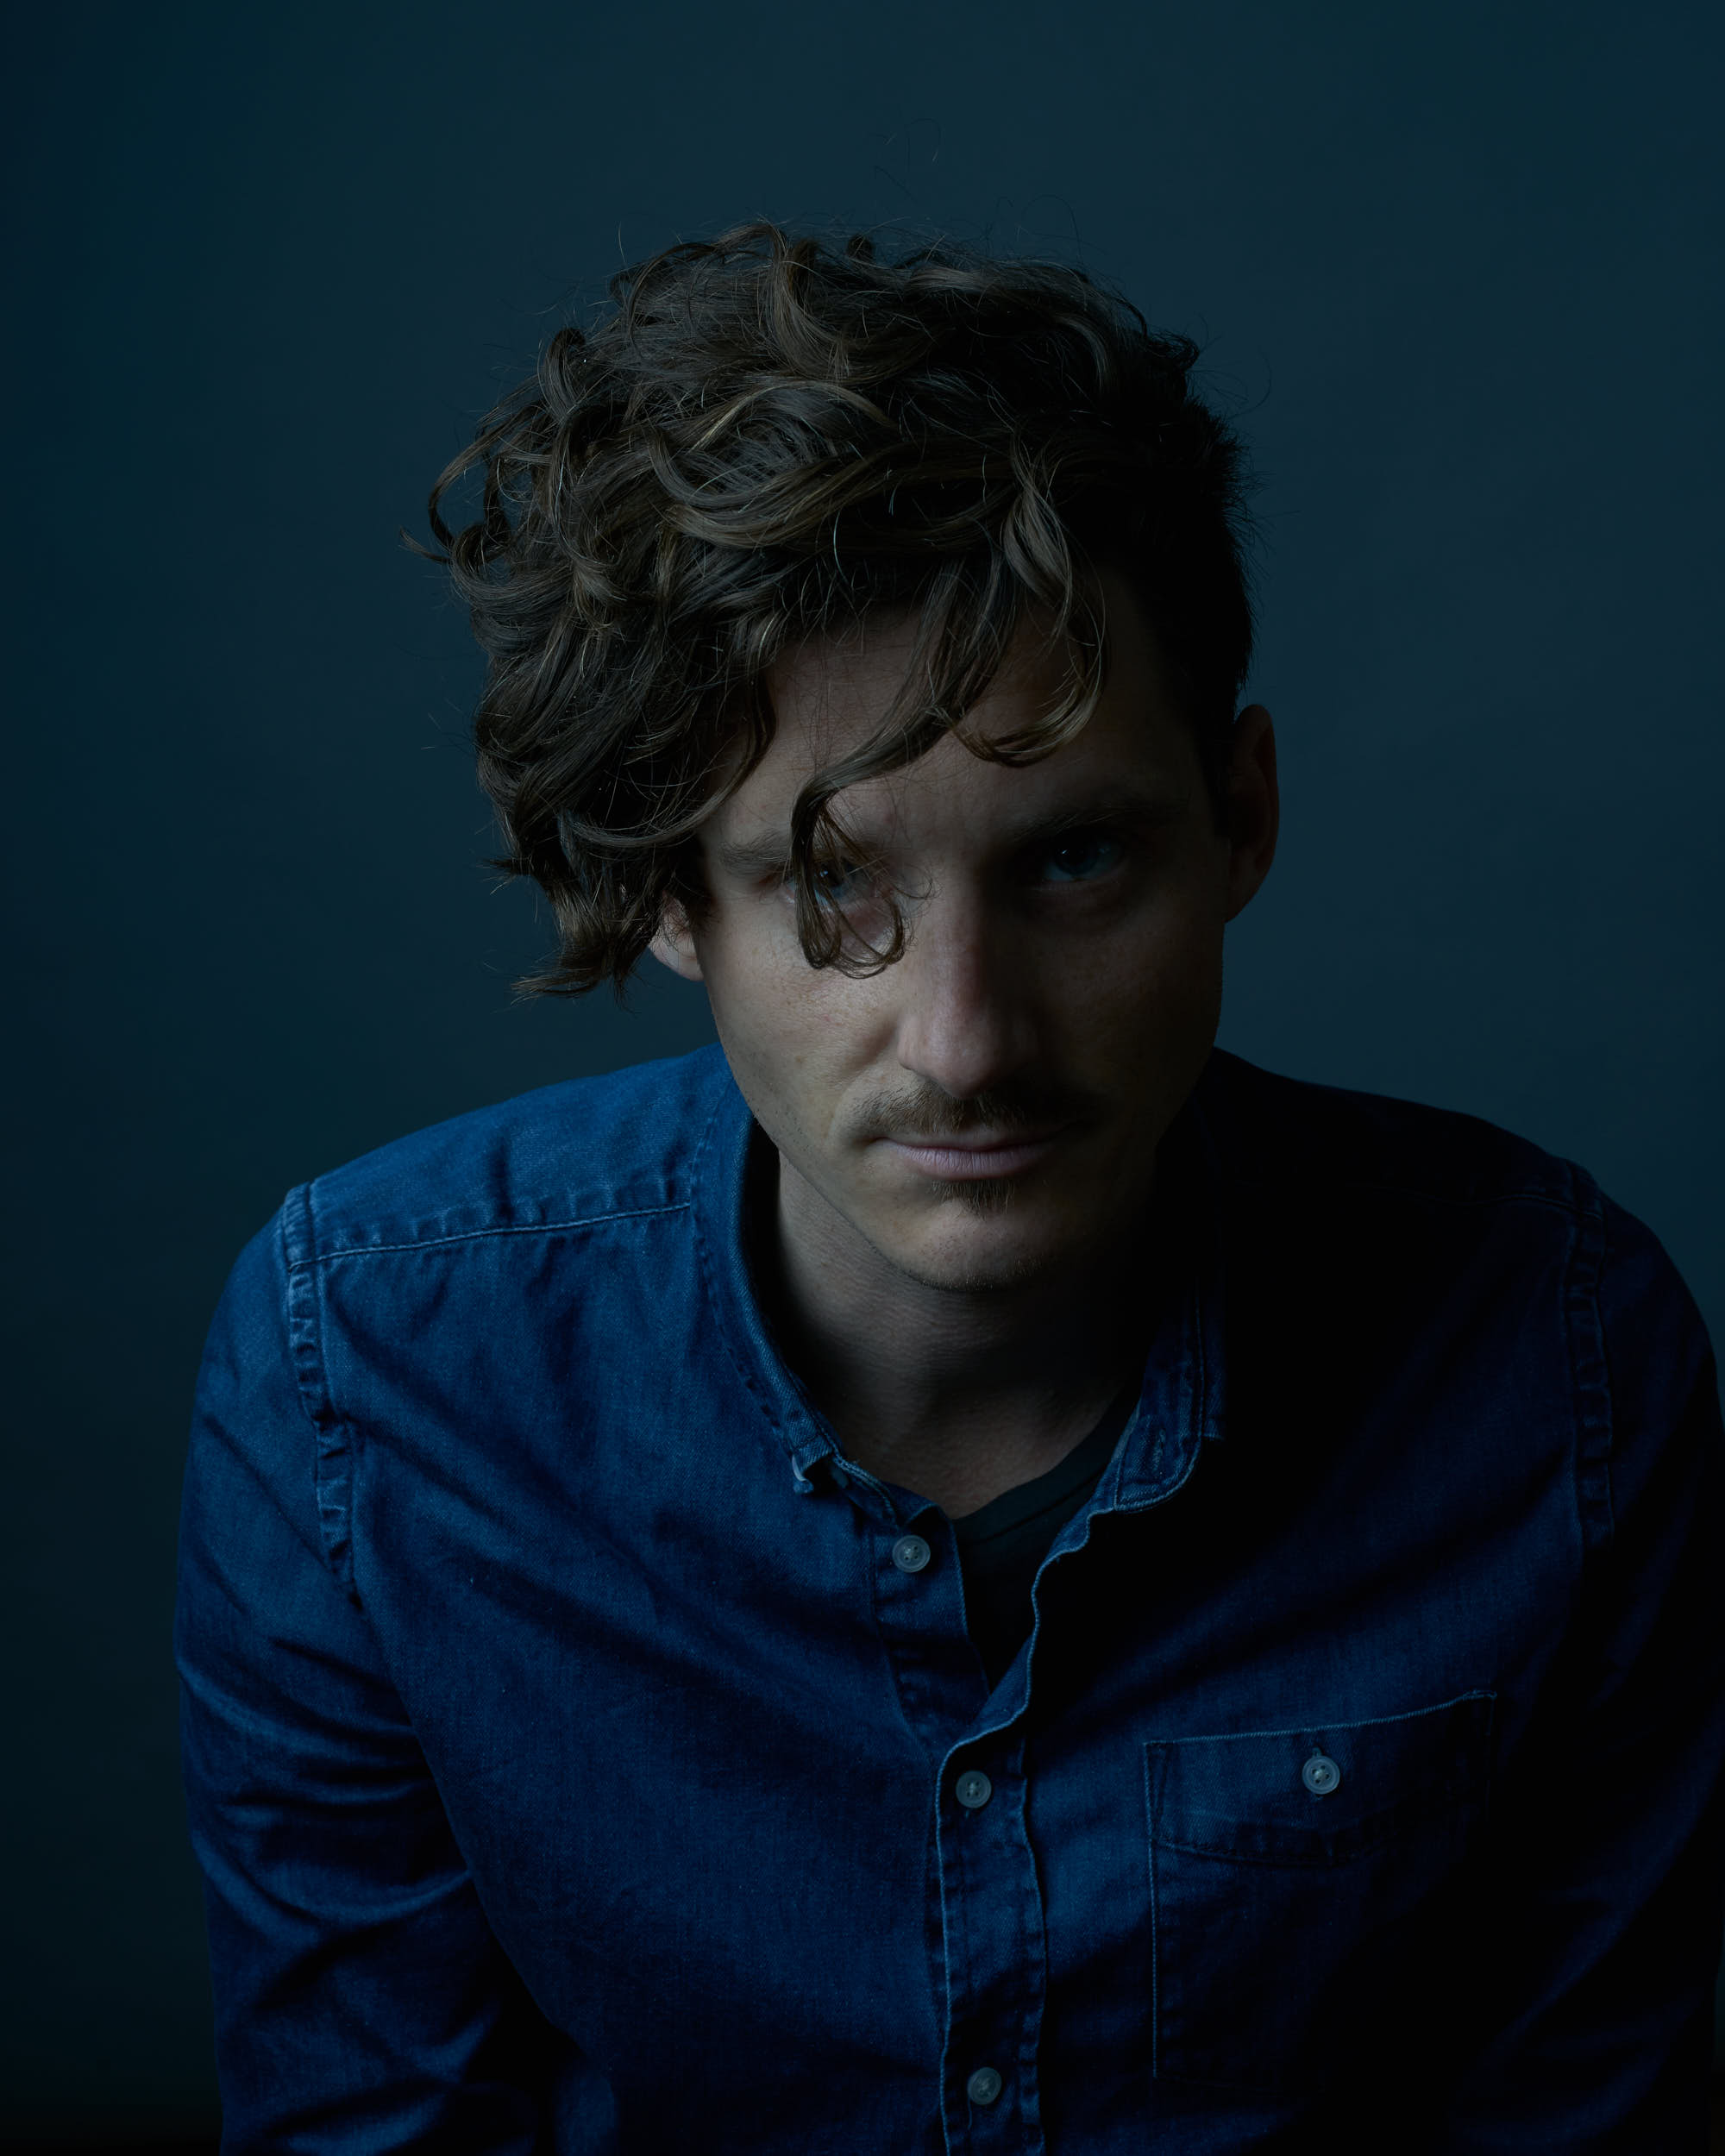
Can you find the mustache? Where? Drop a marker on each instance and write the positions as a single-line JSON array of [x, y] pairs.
[[925, 1112]]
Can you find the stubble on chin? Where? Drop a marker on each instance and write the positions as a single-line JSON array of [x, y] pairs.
[[984, 1197], [922, 1257]]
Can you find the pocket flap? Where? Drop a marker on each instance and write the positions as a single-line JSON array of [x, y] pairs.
[[1322, 1794]]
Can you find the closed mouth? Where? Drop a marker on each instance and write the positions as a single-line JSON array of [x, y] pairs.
[[976, 1154]]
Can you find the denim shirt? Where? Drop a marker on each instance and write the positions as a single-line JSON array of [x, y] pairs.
[[583, 1755]]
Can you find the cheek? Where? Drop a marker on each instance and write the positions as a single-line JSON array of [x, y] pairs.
[[792, 1035], [1160, 980]]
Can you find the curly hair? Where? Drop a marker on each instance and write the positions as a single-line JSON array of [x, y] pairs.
[[763, 438]]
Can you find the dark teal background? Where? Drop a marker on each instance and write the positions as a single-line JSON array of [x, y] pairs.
[[1457, 263]]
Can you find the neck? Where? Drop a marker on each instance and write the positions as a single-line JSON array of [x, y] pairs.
[[955, 1396]]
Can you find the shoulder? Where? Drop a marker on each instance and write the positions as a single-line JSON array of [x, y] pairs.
[[1452, 1221], [1272, 1130], [584, 1150], [1425, 1197]]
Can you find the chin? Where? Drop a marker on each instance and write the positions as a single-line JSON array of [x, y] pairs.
[[984, 1243]]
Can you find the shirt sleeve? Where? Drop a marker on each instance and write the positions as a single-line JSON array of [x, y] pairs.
[[1590, 1998], [361, 1997]]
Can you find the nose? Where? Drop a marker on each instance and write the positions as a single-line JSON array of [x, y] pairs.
[[964, 1017]]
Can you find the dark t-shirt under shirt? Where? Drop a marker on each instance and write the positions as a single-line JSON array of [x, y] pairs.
[[1001, 1546]]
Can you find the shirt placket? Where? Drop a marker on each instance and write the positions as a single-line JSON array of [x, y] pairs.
[[991, 1958], [992, 1927]]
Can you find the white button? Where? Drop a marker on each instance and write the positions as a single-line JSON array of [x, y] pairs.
[[911, 1553], [1321, 1774]]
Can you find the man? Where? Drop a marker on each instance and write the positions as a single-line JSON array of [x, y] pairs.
[[968, 1573]]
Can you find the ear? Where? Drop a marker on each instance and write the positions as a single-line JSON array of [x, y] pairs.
[[674, 943], [1254, 806]]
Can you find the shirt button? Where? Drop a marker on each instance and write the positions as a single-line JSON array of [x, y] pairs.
[[973, 1789], [984, 2085], [911, 1553], [1321, 1774]]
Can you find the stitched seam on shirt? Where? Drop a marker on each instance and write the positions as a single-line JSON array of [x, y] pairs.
[[697, 1170], [1155, 1927], [477, 1235], [1033, 1970], [951, 2108], [1321, 1729], [333, 1461], [1116, 1503]]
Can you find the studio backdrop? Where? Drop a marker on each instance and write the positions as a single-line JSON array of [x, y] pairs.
[[1456, 271]]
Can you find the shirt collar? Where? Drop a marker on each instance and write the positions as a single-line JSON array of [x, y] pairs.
[[720, 1199], [1183, 1399]]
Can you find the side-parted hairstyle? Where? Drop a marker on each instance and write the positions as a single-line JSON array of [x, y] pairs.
[[766, 438]]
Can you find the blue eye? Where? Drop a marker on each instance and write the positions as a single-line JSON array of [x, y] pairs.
[[840, 880], [1077, 859]]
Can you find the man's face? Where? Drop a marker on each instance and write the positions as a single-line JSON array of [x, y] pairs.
[[985, 1111]]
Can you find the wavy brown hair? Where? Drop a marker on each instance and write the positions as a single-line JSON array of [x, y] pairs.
[[766, 437]]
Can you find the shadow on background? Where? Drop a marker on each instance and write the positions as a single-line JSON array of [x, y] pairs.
[[266, 265]]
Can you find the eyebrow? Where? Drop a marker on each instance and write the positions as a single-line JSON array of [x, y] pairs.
[[769, 853], [1146, 808], [747, 858]]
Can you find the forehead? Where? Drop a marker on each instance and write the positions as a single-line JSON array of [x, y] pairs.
[[829, 695]]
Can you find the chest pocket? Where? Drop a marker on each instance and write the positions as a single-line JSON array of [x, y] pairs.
[[1295, 1875]]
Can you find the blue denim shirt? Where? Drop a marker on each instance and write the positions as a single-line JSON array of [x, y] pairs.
[[574, 1767]]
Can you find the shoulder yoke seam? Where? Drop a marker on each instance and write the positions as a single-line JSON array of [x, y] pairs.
[[480, 1235]]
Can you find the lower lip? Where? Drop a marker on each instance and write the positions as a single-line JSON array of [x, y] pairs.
[[974, 1163]]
